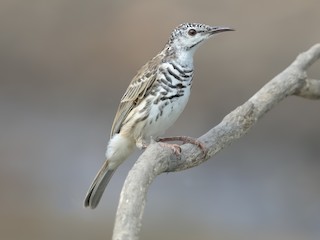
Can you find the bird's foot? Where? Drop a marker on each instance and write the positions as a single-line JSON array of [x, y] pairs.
[[175, 147], [184, 139]]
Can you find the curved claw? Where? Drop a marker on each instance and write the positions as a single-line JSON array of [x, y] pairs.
[[185, 139], [174, 147]]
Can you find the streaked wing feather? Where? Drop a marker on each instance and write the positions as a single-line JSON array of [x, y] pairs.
[[135, 93], [123, 111]]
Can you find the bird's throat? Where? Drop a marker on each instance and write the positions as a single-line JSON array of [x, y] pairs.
[[185, 58]]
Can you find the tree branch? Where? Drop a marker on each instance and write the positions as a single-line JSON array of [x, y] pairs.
[[310, 90], [156, 159]]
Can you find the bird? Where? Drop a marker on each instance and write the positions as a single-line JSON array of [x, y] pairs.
[[154, 100]]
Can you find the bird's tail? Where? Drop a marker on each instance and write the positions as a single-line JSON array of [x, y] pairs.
[[119, 148], [98, 186]]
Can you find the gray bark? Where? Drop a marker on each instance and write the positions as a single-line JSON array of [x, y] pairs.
[[157, 159]]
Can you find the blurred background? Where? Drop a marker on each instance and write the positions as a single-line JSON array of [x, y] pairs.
[[64, 65]]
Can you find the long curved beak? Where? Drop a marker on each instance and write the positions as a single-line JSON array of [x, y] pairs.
[[220, 29]]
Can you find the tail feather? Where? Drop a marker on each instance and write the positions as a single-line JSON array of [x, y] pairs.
[[98, 186], [119, 148]]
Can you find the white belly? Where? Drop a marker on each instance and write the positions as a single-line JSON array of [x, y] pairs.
[[160, 121]]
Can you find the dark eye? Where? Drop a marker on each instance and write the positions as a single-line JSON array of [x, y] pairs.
[[192, 32]]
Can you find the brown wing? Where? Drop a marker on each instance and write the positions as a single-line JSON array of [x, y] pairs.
[[135, 93]]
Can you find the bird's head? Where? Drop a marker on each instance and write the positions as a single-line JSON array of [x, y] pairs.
[[188, 36]]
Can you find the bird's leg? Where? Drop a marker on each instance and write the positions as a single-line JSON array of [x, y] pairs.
[[185, 139], [141, 144]]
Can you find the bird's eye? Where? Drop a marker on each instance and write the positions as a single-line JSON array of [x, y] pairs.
[[192, 32]]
